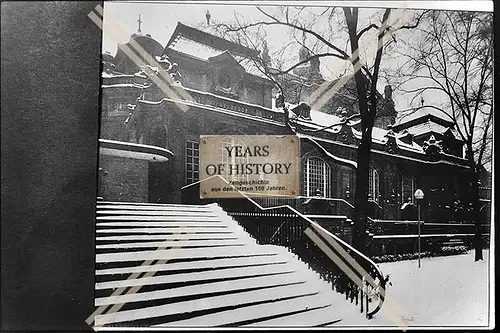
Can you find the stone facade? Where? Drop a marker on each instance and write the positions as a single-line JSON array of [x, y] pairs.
[[226, 95]]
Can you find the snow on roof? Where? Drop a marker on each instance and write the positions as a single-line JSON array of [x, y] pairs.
[[407, 116], [413, 146], [113, 75], [193, 48], [378, 135], [161, 59], [122, 85], [204, 52], [324, 119], [318, 118], [427, 127], [106, 74]]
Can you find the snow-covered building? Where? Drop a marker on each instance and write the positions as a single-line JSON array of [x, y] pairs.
[[202, 84]]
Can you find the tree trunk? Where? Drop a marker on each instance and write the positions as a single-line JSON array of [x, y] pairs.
[[474, 205], [361, 196], [478, 238]]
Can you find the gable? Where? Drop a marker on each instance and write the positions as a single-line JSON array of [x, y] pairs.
[[226, 60]]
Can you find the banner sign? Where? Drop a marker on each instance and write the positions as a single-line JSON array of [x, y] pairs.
[[249, 165]]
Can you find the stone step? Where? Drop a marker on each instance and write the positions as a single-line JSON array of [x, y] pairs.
[[209, 303], [182, 265]]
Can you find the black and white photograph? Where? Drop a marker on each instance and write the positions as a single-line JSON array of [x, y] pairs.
[[274, 165]]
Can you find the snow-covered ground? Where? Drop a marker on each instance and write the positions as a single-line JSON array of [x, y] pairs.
[[445, 291]]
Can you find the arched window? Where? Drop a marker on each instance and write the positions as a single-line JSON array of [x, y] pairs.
[[373, 185], [408, 188], [317, 177], [232, 172]]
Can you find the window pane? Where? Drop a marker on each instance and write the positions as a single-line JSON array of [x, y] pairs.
[[408, 188], [192, 162], [318, 177], [373, 185]]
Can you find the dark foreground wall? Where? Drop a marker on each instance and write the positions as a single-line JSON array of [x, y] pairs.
[[49, 122]]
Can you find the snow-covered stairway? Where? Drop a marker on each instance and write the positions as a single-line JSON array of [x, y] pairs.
[[188, 265]]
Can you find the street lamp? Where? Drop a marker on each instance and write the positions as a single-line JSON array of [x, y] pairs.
[[419, 195]]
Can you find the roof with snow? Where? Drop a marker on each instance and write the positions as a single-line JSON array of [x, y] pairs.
[[193, 48], [379, 135], [105, 74], [431, 127], [421, 112], [187, 39], [205, 50], [134, 151]]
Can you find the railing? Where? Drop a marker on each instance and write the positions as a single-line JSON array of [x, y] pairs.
[[234, 105], [335, 206], [351, 273], [389, 227], [311, 205], [385, 234], [273, 201]]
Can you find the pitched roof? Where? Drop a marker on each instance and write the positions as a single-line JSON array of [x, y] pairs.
[[428, 127], [202, 51], [421, 112], [193, 48], [212, 41]]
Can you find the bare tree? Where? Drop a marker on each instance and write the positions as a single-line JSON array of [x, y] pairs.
[[339, 33], [453, 56]]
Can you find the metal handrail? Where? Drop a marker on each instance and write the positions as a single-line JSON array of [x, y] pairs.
[[327, 199], [368, 279], [347, 245]]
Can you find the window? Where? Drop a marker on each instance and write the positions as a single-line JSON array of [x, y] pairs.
[[408, 188], [232, 173], [192, 162], [373, 185], [317, 177], [118, 108]]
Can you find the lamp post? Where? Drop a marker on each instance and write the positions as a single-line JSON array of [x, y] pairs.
[[419, 195]]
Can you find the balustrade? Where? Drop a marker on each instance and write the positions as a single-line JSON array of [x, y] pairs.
[[347, 270], [232, 105]]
